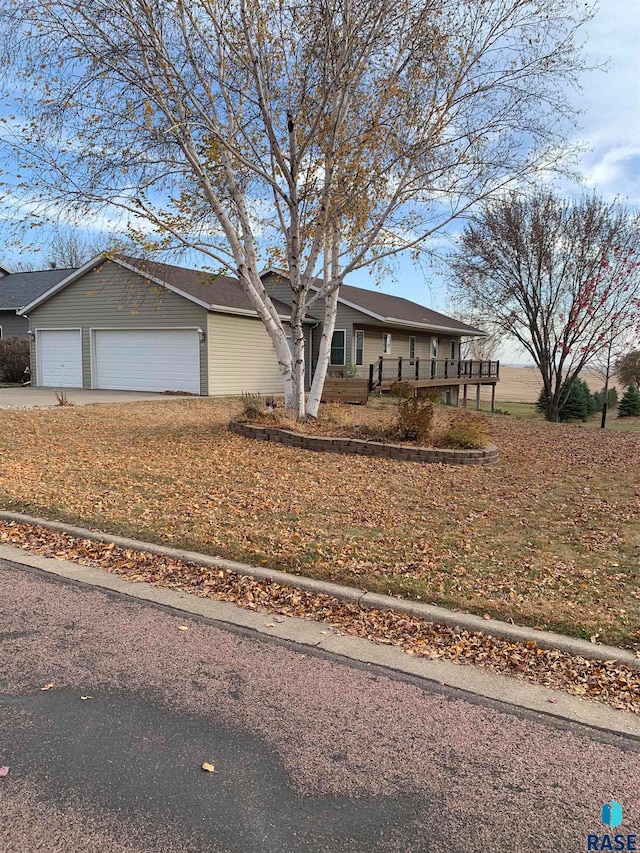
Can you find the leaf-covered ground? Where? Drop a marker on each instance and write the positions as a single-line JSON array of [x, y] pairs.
[[613, 683], [550, 536]]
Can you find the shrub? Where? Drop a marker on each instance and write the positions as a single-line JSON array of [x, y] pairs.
[[415, 418], [403, 390], [430, 394], [252, 406], [349, 371], [466, 434], [629, 406], [14, 358], [62, 398], [337, 413]]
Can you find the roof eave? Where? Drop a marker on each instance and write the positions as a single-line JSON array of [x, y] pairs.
[[474, 333]]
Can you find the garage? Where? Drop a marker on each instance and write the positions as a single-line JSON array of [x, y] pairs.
[[146, 360], [59, 355]]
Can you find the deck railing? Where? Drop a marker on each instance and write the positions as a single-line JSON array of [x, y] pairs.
[[387, 370]]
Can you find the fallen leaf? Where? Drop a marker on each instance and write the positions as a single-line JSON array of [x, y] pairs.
[[4, 771], [324, 632], [269, 625], [278, 618], [486, 616], [182, 628], [553, 700], [47, 687], [208, 767]]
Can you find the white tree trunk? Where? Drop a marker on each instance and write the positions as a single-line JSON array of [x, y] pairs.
[[315, 394]]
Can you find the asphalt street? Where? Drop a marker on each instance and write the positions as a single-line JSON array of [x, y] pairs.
[[310, 753]]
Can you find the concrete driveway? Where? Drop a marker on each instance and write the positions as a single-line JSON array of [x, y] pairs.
[[31, 398]]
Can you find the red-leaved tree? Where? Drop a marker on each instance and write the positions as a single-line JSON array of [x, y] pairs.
[[561, 277]]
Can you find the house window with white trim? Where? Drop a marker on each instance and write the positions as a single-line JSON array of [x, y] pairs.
[[339, 348], [434, 347], [412, 348], [358, 347], [386, 343]]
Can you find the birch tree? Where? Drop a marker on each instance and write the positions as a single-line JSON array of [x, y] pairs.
[[319, 136], [560, 277]]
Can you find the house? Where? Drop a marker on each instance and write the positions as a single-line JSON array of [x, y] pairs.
[[21, 288], [127, 324], [386, 339]]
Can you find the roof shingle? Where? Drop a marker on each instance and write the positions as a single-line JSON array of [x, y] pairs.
[[21, 288]]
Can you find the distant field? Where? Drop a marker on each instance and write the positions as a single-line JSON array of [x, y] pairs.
[[523, 384]]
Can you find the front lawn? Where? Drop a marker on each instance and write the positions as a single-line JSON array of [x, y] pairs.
[[550, 536]]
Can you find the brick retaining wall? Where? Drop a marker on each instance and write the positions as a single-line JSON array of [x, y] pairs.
[[327, 444]]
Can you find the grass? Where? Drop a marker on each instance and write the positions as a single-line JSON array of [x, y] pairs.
[[548, 537], [528, 411]]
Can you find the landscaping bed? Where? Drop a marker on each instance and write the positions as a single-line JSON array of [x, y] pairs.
[[548, 537], [414, 422]]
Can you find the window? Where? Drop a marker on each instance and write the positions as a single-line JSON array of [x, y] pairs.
[[453, 350], [386, 343], [339, 348], [290, 343], [434, 347], [359, 347], [412, 347]]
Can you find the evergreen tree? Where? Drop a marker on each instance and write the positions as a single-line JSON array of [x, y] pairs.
[[629, 406], [579, 403], [541, 405]]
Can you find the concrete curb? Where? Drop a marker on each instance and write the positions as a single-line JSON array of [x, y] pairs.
[[429, 612], [307, 633]]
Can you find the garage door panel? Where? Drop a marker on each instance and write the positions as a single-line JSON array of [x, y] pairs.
[[59, 358], [147, 360]]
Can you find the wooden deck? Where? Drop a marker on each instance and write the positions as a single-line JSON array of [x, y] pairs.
[[440, 382]]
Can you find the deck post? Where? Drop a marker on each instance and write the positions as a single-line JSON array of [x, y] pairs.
[[459, 367], [400, 369], [370, 377], [417, 369], [380, 371], [478, 386], [446, 368], [493, 397], [464, 395]]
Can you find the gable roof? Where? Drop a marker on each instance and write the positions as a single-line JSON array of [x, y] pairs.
[[209, 290], [21, 288], [393, 310]]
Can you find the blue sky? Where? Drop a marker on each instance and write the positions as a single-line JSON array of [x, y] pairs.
[[609, 127]]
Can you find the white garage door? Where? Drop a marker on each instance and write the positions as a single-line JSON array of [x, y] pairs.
[[59, 358], [147, 360]]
